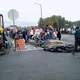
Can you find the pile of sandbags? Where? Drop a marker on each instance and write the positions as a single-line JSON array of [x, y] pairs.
[[58, 46]]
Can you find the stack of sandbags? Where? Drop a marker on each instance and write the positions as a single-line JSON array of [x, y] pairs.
[[55, 43]]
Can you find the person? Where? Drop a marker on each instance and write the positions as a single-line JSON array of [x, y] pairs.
[[77, 38], [42, 35], [20, 43], [31, 33], [54, 34], [24, 34], [59, 34]]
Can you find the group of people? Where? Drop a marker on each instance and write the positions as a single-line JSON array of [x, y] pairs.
[[48, 34], [33, 33], [42, 35]]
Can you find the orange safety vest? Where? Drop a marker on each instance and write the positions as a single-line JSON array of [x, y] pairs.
[[20, 43]]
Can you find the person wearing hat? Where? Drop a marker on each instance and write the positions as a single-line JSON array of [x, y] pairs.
[[77, 38]]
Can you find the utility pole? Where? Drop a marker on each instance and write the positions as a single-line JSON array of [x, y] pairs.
[[40, 13]]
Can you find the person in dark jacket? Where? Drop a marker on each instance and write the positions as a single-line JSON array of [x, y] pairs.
[[59, 34], [77, 38]]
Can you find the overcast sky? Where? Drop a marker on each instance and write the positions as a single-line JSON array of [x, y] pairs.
[[30, 12]]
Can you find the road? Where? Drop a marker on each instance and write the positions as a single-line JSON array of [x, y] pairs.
[[40, 65], [68, 38]]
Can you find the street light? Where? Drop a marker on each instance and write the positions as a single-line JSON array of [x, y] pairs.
[[40, 8], [40, 11]]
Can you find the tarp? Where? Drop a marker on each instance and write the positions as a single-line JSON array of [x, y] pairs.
[[55, 43]]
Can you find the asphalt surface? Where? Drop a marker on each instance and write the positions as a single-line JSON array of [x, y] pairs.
[[68, 38], [40, 65]]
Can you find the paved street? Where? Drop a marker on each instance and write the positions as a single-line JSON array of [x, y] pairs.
[[68, 38], [36, 64], [40, 65]]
